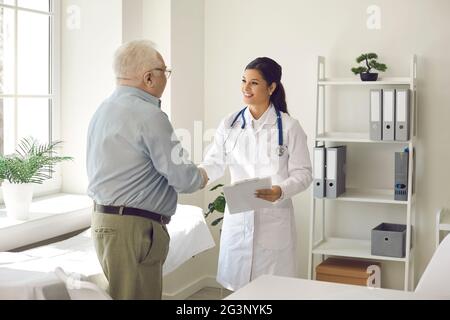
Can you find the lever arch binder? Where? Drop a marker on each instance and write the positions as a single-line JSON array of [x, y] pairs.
[[376, 114], [319, 172], [388, 114], [402, 114], [336, 158]]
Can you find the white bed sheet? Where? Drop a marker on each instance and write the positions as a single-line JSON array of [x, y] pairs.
[[21, 272]]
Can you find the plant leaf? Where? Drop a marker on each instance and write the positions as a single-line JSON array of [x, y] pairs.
[[216, 222], [219, 204], [216, 187], [361, 58], [31, 163], [359, 70]]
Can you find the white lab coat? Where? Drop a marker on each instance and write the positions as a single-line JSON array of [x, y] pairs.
[[262, 241]]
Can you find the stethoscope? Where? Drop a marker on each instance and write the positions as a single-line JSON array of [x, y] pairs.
[[281, 148]]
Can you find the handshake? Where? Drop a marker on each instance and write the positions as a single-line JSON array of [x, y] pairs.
[[204, 176]]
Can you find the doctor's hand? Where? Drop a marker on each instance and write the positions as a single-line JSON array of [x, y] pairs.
[[271, 195]]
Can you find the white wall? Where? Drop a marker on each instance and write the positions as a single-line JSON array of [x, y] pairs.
[[86, 65], [157, 26], [293, 33], [132, 20], [186, 108], [187, 82], [87, 77]]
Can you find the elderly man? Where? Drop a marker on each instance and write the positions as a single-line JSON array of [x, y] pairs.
[[135, 169]]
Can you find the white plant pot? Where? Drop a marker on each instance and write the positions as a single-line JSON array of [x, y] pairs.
[[17, 199]]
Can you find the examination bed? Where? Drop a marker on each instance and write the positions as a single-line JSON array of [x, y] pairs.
[[23, 272]]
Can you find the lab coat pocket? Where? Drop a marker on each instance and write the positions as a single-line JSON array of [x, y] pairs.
[[273, 228]]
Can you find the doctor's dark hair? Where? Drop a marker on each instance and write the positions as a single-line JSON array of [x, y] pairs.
[[271, 71]]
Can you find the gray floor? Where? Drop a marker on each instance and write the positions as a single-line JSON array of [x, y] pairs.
[[210, 294]]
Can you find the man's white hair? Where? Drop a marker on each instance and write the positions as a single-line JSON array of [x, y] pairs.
[[134, 58]]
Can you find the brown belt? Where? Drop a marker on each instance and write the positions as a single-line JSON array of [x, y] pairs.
[[126, 211]]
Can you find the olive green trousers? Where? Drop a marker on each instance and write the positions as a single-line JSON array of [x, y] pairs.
[[131, 251]]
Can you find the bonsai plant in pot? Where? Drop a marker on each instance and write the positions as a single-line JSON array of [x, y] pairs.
[[32, 163], [370, 61], [217, 205]]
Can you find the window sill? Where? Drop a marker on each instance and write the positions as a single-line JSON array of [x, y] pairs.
[[50, 217]]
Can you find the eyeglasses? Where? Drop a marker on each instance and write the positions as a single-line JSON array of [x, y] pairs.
[[167, 71]]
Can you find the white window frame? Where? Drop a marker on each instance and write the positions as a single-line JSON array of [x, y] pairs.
[[53, 185]]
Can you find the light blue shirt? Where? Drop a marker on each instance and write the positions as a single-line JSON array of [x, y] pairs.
[[133, 156]]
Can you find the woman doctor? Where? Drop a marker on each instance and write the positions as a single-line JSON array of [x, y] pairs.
[[261, 140]]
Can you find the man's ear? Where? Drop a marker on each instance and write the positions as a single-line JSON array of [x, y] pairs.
[[148, 79]]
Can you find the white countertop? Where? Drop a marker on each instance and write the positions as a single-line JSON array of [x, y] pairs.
[[270, 287]]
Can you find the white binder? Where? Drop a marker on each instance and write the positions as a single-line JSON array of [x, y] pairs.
[[402, 115], [376, 114], [319, 172], [240, 196], [336, 171], [388, 114]]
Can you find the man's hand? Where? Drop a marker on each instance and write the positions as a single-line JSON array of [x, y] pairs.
[[271, 195], [205, 177]]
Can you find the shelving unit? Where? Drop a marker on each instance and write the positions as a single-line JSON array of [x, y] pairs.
[[442, 223], [351, 137], [349, 248], [357, 82], [370, 195], [322, 245]]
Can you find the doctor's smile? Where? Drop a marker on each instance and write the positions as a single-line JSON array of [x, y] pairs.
[[256, 91]]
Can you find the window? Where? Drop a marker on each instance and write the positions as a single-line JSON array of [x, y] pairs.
[[29, 89]]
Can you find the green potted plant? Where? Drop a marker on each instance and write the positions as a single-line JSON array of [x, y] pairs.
[[32, 163], [370, 61], [217, 205]]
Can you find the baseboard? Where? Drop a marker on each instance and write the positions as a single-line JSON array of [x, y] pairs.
[[190, 289]]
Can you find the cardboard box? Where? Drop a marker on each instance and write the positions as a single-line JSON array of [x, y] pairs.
[[344, 271]]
